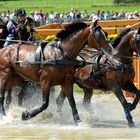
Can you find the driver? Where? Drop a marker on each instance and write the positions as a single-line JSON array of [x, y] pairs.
[[11, 25]]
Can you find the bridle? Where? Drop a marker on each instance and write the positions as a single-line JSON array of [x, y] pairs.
[[95, 33], [92, 31], [136, 41]]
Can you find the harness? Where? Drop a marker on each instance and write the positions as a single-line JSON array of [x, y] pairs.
[[40, 52], [99, 69]]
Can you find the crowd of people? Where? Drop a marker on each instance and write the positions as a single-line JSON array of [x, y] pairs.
[[42, 18]]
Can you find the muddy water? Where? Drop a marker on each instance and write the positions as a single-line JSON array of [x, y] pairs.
[[106, 122]]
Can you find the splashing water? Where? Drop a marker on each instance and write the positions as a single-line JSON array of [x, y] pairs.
[[107, 113]]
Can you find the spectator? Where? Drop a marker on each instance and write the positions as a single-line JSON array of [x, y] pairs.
[[11, 25], [37, 19]]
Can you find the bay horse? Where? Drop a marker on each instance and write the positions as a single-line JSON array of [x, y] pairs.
[[114, 74], [56, 67], [23, 33]]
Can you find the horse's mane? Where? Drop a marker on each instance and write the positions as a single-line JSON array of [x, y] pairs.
[[69, 29], [117, 40]]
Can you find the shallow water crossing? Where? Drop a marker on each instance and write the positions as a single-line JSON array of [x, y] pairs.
[[107, 122]]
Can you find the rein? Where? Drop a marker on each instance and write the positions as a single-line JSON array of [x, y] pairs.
[[58, 62], [52, 62], [16, 41], [128, 56], [20, 41]]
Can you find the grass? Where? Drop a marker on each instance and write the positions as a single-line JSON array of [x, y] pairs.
[[66, 5], [79, 90]]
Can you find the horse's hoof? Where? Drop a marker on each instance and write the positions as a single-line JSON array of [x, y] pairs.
[[131, 125], [78, 122], [20, 104], [25, 115]]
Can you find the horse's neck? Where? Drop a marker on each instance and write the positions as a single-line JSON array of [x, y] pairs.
[[22, 36], [123, 51], [76, 43]]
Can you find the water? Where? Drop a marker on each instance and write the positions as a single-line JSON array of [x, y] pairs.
[[107, 122]]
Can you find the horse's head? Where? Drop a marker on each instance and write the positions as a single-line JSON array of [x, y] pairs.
[[129, 44], [136, 42], [3, 31], [23, 30], [29, 22], [98, 38], [3, 34]]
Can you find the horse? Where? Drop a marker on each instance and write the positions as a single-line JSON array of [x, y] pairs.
[[104, 46], [22, 94], [3, 34], [114, 74], [56, 66], [23, 32]]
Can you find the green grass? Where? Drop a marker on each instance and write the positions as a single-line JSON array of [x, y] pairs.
[[66, 5], [79, 90]]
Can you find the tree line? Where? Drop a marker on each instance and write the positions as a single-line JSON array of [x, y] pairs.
[[126, 1]]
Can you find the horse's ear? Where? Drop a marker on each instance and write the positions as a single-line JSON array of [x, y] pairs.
[[29, 19], [96, 23]]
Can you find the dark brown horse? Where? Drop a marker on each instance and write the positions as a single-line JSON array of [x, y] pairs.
[[56, 67], [104, 47], [3, 34], [24, 32], [115, 72]]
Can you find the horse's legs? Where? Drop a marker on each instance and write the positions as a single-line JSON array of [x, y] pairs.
[[68, 90], [118, 92], [2, 109], [52, 93], [22, 93], [45, 88], [8, 99], [59, 101], [4, 77], [2, 92], [130, 87], [87, 99]]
